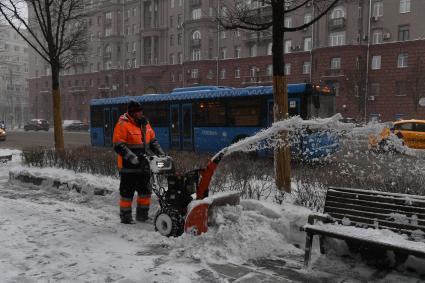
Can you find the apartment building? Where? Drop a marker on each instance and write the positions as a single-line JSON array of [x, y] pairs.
[[13, 78], [371, 51]]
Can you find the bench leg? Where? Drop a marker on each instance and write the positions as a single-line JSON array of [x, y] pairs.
[[322, 244], [308, 245]]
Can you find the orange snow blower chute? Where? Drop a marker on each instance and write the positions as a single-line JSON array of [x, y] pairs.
[[197, 215], [179, 211]]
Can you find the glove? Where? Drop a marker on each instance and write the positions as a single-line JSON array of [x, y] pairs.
[[132, 158]]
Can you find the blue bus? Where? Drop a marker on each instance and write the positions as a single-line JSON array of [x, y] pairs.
[[209, 118]]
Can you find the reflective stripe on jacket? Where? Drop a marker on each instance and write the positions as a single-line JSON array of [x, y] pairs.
[[127, 132]]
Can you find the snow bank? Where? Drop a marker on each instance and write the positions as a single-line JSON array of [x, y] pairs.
[[85, 182]]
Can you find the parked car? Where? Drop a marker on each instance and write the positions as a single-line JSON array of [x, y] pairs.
[[37, 125], [77, 126], [3, 134]]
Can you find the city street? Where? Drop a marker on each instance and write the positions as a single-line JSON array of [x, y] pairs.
[[19, 139]]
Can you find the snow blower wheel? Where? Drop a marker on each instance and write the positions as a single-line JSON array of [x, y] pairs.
[[169, 223]]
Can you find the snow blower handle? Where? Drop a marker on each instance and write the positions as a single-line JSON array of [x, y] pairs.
[[207, 174]]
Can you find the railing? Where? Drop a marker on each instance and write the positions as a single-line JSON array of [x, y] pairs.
[[337, 23], [256, 80]]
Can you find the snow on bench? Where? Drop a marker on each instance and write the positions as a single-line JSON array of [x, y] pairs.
[[387, 220]]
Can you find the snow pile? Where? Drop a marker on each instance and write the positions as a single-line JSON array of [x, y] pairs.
[[87, 182], [250, 230]]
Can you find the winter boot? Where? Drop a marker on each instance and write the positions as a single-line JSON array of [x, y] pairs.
[[142, 214], [126, 217]]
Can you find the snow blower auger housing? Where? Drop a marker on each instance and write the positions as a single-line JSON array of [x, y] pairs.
[[179, 212]]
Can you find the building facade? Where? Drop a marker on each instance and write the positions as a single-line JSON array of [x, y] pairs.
[[13, 78], [371, 51]]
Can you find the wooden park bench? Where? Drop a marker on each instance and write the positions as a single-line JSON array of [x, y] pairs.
[[350, 213]]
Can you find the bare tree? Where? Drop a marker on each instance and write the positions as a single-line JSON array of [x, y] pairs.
[[240, 14], [56, 30]]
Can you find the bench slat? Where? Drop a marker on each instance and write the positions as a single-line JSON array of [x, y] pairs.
[[349, 205], [381, 193], [376, 204], [379, 223], [372, 216], [379, 199]]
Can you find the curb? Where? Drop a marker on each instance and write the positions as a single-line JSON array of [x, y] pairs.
[[28, 178]]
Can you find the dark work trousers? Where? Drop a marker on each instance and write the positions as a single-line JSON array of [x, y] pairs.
[[135, 182]]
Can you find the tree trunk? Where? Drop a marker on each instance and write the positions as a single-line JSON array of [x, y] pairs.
[[280, 92], [57, 116]]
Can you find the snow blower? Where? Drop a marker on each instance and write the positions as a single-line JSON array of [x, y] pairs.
[[179, 211]]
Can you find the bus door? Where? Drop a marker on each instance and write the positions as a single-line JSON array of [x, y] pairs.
[[107, 128], [110, 118], [270, 115], [181, 134], [175, 141], [186, 132]]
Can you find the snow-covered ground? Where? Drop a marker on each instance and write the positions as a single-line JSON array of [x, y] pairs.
[[52, 235]]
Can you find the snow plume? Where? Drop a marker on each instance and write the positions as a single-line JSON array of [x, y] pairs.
[[272, 137]]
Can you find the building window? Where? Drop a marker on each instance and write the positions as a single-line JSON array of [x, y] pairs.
[[210, 74], [378, 9], [223, 34], [134, 63], [223, 74], [196, 54], [171, 40], [134, 46], [404, 6], [402, 60], [237, 52], [223, 53], [237, 73], [269, 70], [377, 36], [288, 45], [287, 69], [194, 74], [336, 63], [306, 68], [253, 71], [376, 62], [196, 34], [337, 38], [374, 89], [403, 33], [307, 18], [172, 59], [171, 21], [338, 12], [253, 50], [196, 14], [270, 48], [401, 88], [179, 39], [179, 58], [307, 43], [288, 22]]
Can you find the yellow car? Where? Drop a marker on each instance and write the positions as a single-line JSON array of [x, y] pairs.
[[2, 134], [412, 132]]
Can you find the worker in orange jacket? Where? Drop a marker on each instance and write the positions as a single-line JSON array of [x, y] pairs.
[[133, 138]]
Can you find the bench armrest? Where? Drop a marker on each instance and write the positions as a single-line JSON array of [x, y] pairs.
[[314, 217]]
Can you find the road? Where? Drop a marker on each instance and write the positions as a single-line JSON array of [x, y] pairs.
[[19, 139]]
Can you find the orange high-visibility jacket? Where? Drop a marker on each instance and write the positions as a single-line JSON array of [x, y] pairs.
[[128, 133]]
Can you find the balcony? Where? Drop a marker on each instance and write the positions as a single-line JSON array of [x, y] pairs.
[[334, 73], [196, 42], [337, 23], [257, 80], [195, 2]]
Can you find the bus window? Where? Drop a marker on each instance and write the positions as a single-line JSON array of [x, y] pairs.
[[246, 112], [157, 114], [97, 117], [210, 113]]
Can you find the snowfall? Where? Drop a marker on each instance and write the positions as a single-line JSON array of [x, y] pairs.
[[50, 234]]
